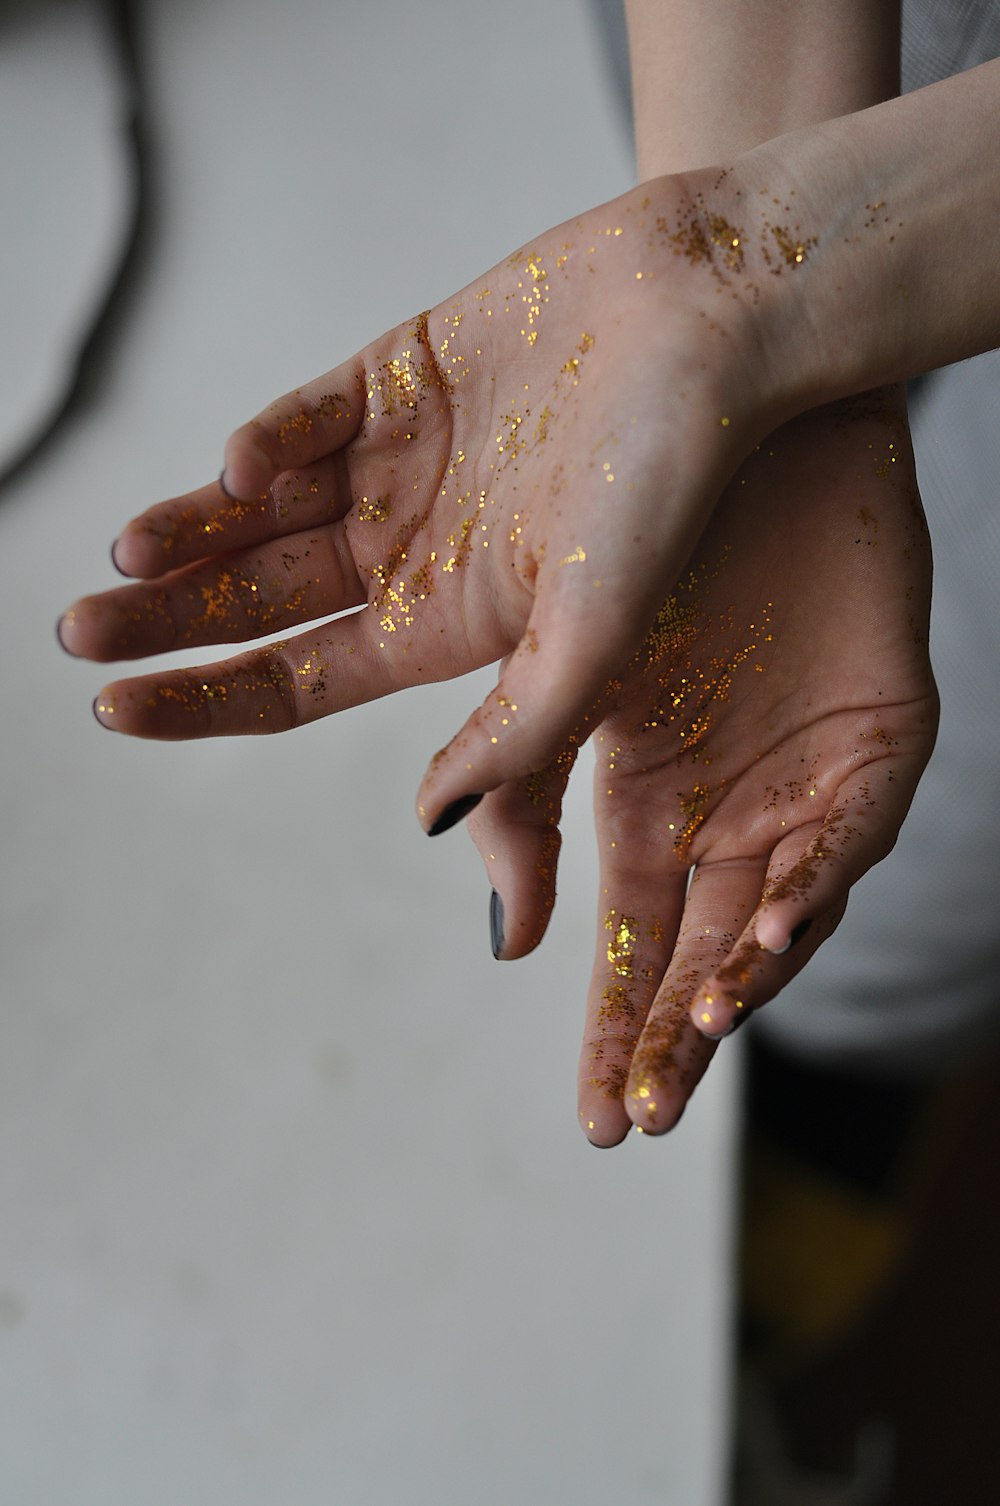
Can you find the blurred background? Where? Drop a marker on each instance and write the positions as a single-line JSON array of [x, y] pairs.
[[295, 1207]]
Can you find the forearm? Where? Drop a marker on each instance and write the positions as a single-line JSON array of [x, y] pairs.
[[714, 78], [896, 209], [867, 223]]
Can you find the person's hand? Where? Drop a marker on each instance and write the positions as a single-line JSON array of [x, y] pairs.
[[770, 732], [523, 474]]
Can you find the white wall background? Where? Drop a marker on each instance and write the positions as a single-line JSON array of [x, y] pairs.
[[294, 1209]]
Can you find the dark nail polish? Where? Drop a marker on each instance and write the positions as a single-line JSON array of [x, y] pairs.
[[453, 813], [497, 937], [799, 931]]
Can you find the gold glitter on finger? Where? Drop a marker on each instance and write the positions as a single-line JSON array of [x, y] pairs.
[[373, 510], [621, 947]]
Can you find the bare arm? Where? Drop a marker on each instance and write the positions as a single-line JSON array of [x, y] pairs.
[[714, 78], [894, 200]]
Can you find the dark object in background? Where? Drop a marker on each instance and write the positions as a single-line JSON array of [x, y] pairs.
[[869, 1310], [85, 370]]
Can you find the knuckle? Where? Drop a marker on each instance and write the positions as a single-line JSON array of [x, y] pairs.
[[271, 673]]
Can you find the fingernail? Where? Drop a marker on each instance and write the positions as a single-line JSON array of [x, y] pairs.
[[797, 934], [738, 1019], [65, 620], [224, 488], [496, 924], [114, 559], [101, 709], [453, 813]]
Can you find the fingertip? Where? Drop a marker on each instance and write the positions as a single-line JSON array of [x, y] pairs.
[[778, 939], [715, 1031], [242, 482], [247, 470], [652, 1109], [137, 552], [772, 935], [604, 1136], [103, 707], [497, 936], [709, 1013], [66, 632], [452, 814]]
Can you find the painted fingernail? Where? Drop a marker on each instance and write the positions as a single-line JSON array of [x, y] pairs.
[[114, 558], [453, 813], [496, 924], [102, 709]]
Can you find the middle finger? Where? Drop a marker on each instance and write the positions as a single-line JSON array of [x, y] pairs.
[[242, 596]]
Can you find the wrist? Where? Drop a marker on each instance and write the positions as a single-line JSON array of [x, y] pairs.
[[897, 242], [753, 240]]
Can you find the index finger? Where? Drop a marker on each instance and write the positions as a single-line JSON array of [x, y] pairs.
[[207, 523], [296, 430]]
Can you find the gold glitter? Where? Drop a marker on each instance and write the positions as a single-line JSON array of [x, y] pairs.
[[400, 382], [616, 1005], [792, 249], [313, 674], [621, 947], [510, 444], [542, 427], [460, 540], [694, 808], [375, 510], [332, 405], [578, 556]]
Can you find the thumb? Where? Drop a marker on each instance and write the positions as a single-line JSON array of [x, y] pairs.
[[554, 688]]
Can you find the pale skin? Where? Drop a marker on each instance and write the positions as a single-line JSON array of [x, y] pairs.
[[753, 661]]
